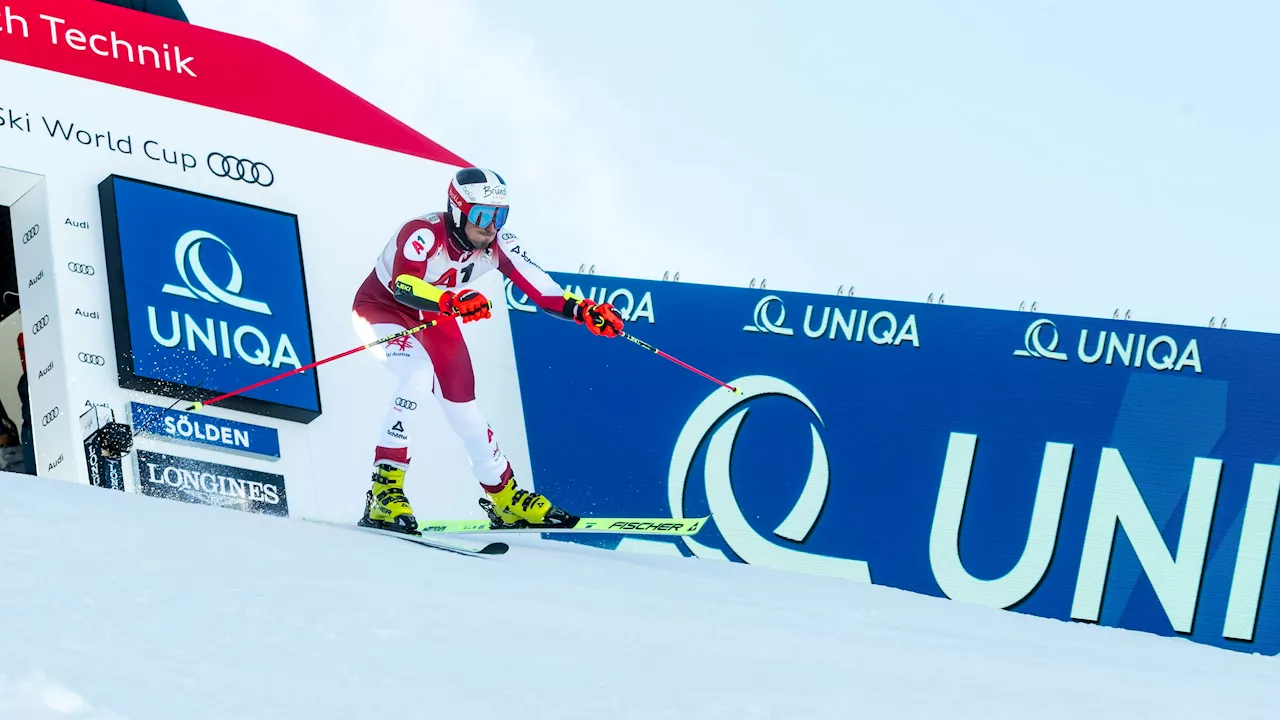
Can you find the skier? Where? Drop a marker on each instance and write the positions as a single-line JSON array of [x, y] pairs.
[[423, 274]]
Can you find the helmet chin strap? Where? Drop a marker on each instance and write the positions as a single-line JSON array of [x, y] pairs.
[[458, 236]]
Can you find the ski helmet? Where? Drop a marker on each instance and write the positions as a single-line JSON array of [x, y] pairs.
[[479, 197]]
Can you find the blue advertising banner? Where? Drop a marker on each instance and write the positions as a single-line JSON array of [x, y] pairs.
[[1104, 471], [218, 433], [207, 296]]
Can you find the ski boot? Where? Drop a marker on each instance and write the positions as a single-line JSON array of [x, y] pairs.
[[385, 505], [513, 507]]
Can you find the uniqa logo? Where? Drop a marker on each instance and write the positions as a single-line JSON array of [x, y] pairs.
[[1035, 347], [704, 428], [1130, 350], [217, 337], [880, 328], [623, 300], [762, 321], [187, 252]]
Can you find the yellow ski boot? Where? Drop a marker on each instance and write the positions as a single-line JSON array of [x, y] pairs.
[[385, 504], [514, 507]]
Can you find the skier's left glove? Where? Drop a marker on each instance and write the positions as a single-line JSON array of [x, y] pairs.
[[469, 304], [600, 318]]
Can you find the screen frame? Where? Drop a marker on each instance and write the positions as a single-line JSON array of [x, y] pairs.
[[127, 376]]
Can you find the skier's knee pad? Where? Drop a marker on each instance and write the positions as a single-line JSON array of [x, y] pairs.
[[465, 417], [487, 460]]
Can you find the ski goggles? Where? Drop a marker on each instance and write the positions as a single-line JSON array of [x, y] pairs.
[[483, 215]]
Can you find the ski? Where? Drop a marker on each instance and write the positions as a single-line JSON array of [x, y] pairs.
[[617, 526], [492, 548]]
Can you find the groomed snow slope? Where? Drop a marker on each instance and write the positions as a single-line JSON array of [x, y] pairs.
[[122, 606]]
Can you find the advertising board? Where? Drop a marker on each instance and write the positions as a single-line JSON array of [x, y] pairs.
[[206, 431], [1105, 471], [207, 483], [219, 184], [208, 296]]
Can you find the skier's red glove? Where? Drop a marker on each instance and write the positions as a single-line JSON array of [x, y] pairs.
[[600, 318], [469, 304]]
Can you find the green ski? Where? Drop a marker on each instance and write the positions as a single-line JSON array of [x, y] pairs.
[[617, 526]]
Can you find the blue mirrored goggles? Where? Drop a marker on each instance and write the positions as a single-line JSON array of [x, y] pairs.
[[483, 215]]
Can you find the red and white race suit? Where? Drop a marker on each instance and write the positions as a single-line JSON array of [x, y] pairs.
[[436, 360]]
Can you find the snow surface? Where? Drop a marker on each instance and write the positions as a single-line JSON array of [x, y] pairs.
[[121, 606]]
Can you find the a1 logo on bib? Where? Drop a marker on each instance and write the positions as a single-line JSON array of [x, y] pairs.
[[416, 249]]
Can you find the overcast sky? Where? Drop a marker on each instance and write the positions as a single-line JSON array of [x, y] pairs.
[[1088, 155]]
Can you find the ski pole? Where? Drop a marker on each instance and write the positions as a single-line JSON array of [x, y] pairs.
[[575, 296], [200, 405], [682, 364]]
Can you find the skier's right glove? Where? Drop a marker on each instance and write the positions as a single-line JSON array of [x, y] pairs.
[[600, 318], [469, 304]]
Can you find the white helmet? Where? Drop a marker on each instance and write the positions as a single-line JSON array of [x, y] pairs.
[[479, 197]]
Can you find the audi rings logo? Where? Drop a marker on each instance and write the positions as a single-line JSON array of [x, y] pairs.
[[81, 268], [50, 417], [39, 325], [406, 404], [234, 168], [91, 359], [1033, 345], [31, 234]]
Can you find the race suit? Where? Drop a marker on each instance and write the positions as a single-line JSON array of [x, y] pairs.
[[435, 360]]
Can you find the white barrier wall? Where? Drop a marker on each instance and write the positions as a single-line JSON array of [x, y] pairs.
[[88, 90]]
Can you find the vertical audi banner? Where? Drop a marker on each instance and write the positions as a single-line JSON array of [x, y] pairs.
[[52, 418]]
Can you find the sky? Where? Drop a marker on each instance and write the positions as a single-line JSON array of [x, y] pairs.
[[1087, 156]]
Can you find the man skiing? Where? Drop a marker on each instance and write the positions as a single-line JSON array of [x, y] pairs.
[[423, 274]]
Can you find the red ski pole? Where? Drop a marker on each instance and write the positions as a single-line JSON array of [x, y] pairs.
[[200, 405], [682, 364], [659, 353]]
